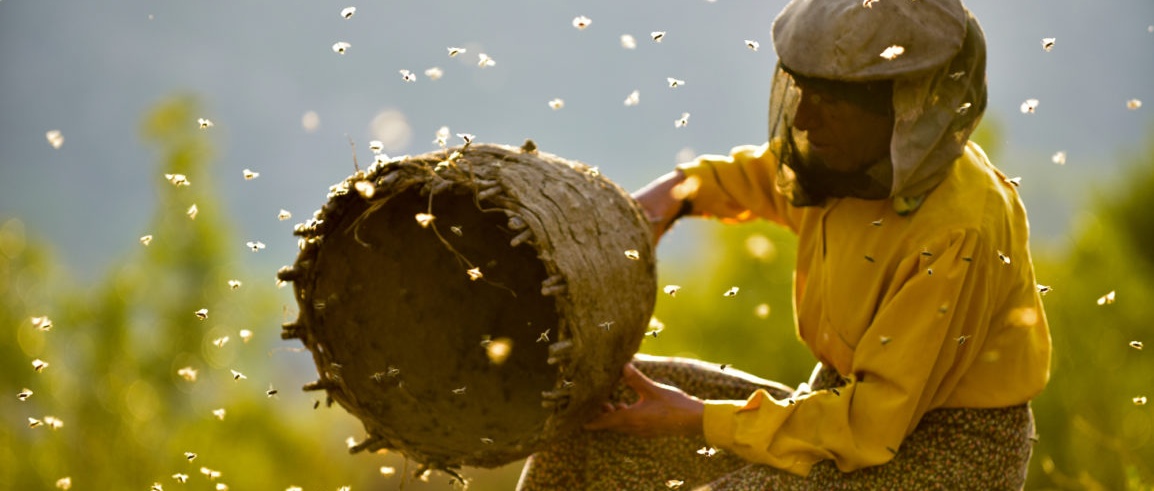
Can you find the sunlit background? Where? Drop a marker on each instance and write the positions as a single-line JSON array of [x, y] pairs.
[[99, 100]]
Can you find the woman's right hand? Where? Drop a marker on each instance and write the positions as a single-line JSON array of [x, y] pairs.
[[660, 202]]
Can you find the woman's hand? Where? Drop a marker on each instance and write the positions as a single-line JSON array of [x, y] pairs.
[[662, 206], [661, 410]]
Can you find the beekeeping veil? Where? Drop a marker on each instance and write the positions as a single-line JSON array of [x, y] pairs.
[[932, 53]]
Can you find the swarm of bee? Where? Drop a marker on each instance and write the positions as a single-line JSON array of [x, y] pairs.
[[455, 301]]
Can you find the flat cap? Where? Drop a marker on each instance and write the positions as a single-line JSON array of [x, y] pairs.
[[845, 39]]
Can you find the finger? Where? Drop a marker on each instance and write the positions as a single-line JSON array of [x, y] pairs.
[[637, 381], [605, 421]]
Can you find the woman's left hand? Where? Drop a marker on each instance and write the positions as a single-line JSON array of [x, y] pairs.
[[661, 410]]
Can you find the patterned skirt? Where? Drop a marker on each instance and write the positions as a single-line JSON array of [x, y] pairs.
[[955, 449]]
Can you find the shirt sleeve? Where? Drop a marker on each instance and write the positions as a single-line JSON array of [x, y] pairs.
[[905, 363], [738, 187]]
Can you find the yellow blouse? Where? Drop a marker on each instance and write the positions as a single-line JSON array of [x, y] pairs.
[[935, 309]]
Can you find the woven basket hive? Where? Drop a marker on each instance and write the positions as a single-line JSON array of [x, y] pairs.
[[473, 304]]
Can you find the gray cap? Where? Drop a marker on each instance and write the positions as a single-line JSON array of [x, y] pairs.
[[845, 39]]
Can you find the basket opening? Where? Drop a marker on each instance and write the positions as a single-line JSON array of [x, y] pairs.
[[412, 290]]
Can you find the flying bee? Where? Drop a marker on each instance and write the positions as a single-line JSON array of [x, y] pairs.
[[42, 323], [657, 36], [39, 365], [892, 52], [201, 314], [731, 292], [55, 138], [177, 180], [24, 394], [628, 41], [633, 99], [1106, 299], [424, 219], [187, 373]]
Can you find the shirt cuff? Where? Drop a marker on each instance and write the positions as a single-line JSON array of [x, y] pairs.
[[718, 422]]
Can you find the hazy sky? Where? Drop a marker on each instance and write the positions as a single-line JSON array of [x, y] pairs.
[[91, 69]]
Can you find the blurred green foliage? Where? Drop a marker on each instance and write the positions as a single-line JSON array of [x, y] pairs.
[[128, 417], [116, 349], [1094, 433]]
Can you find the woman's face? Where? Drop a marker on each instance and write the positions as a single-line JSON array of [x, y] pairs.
[[843, 134]]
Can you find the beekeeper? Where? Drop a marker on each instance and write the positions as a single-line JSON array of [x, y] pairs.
[[914, 286]]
